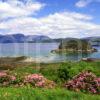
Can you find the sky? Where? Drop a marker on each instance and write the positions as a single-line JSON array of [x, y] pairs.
[[53, 18]]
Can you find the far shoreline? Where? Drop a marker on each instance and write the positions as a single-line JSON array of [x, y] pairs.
[[25, 59]]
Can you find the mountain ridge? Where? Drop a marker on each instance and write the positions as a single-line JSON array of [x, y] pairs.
[[21, 38]]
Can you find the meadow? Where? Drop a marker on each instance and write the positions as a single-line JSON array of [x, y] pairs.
[[28, 93], [59, 73]]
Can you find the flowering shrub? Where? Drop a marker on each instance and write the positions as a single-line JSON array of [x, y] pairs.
[[38, 80], [84, 81], [6, 79]]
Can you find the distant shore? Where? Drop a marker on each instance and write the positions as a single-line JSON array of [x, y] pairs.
[[10, 63], [24, 59], [21, 60]]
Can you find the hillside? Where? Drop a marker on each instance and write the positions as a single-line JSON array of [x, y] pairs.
[[20, 38], [95, 41]]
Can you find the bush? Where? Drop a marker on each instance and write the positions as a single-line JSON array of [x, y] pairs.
[[85, 81], [6, 79], [63, 73], [37, 80]]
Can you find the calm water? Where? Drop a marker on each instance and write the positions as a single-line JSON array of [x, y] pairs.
[[41, 51]]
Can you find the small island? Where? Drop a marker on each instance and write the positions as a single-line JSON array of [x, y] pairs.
[[75, 46]]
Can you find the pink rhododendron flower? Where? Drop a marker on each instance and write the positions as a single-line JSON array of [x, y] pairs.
[[6, 79], [85, 81], [38, 80], [13, 78], [3, 74]]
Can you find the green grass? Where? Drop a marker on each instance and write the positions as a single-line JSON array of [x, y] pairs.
[[43, 94], [58, 72]]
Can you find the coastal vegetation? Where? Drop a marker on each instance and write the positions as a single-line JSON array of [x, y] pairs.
[[75, 46], [46, 81]]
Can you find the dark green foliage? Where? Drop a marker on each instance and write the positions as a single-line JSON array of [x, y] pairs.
[[65, 71], [63, 74], [75, 44]]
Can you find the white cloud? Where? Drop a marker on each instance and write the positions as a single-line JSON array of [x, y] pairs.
[[16, 8], [65, 24], [62, 24], [84, 3]]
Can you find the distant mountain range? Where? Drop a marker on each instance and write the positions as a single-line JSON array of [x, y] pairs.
[[21, 38], [95, 41]]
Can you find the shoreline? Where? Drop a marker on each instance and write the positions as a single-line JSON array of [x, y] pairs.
[[25, 59]]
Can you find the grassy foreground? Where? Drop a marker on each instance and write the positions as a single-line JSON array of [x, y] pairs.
[[58, 72], [43, 94]]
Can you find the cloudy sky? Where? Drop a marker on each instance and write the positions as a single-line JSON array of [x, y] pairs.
[[54, 18]]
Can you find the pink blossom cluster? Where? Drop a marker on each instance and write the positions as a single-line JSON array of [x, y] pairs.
[[84, 81], [6, 79], [3, 74], [37, 80]]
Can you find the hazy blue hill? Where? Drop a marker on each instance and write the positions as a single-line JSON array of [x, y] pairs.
[[37, 38], [94, 40], [14, 38], [20, 38]]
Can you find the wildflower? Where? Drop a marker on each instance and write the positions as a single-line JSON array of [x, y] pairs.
[[3, 74], [38, 80], [84, 81], [13, 78], [6, 79]]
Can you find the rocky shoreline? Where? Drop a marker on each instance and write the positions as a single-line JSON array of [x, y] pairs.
[[91, 59], [7, 63], [10, 63], [73, 51]]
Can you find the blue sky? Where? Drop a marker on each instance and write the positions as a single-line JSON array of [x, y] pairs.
[[54, 18], [53, 6]]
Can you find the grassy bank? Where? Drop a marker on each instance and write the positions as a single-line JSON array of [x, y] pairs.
[[57, 72], [43, 94]]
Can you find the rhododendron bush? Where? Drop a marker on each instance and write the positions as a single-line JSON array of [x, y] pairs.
[[6, 79], [85, 81], [37, 80]]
